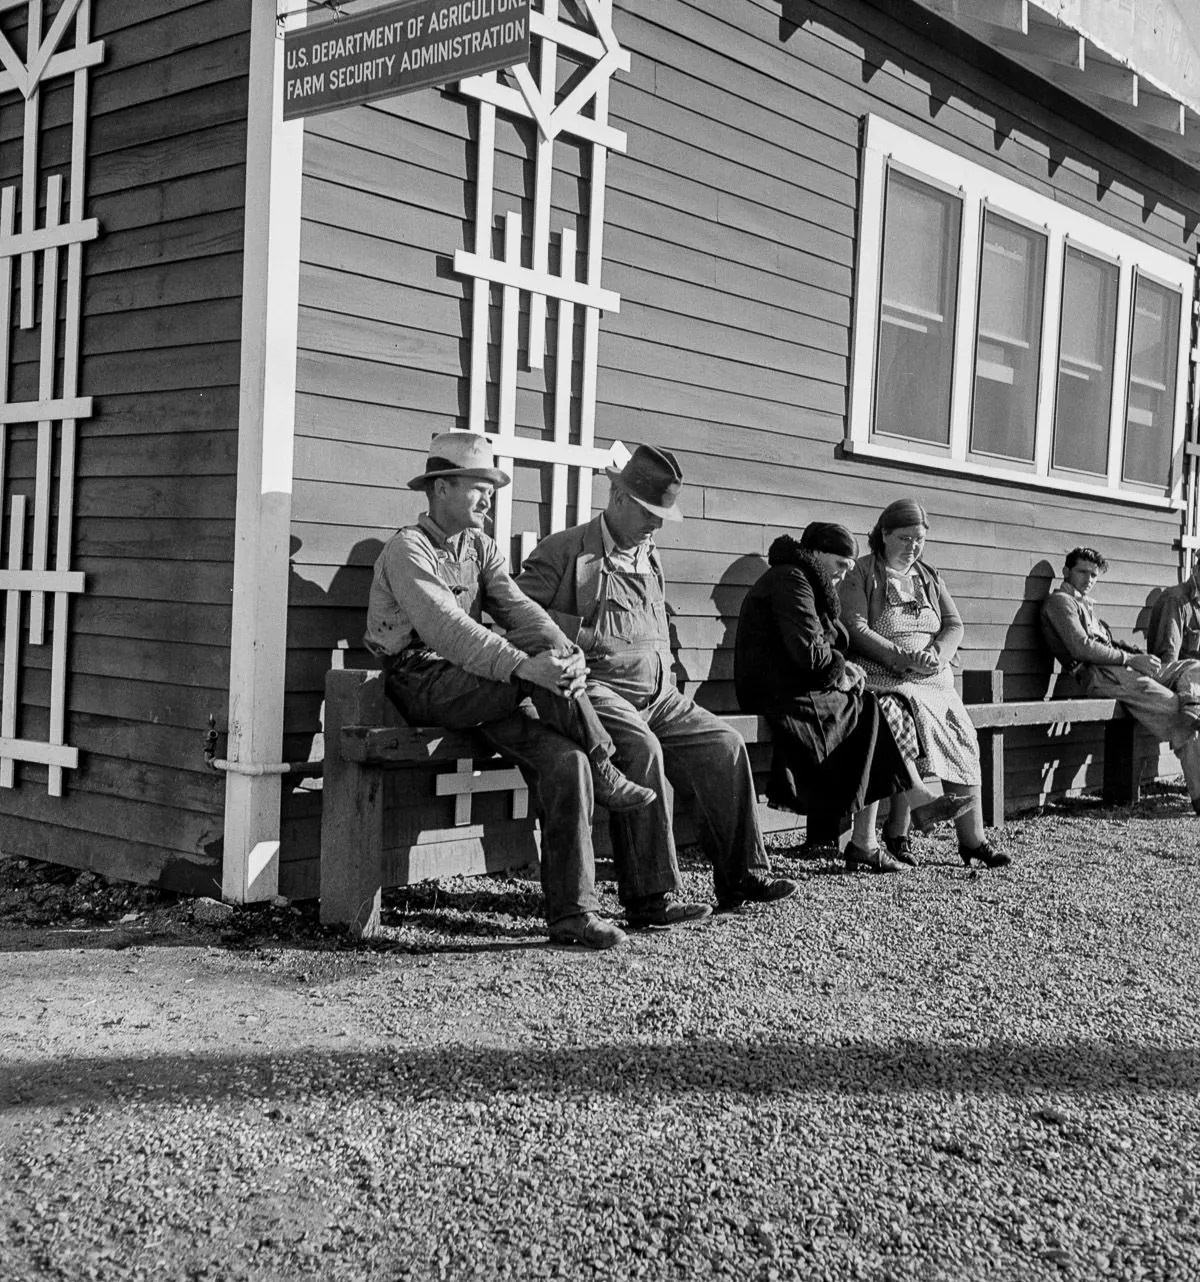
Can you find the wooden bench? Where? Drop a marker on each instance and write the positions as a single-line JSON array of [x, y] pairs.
[[364, 739], [991, 718]]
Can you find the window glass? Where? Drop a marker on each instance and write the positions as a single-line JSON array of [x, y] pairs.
[[1009, 338], [1087, 339], [916, 314], [1150, 413]]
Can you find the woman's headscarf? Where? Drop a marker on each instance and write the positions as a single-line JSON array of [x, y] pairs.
[[825, 536]]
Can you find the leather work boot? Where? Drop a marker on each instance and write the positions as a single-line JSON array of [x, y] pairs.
[[659, 912], [614, 791], [587, 929], [755, 888]]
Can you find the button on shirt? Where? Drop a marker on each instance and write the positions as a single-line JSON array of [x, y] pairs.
[[431, 590]]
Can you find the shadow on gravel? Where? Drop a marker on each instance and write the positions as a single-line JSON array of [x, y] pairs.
[[463, 1073]]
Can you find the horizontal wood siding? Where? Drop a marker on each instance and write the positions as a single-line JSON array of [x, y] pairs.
[[149, 655], [730, 236]]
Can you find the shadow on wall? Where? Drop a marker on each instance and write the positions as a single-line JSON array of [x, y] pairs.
[[1026, 663], [716, 691], [325, 630], [1142, 624]]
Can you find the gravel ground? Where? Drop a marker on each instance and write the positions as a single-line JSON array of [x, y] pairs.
[[940, 1075]]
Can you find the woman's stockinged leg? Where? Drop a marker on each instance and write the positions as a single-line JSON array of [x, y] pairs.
[[971, 833], [863, 827], [899, 810]]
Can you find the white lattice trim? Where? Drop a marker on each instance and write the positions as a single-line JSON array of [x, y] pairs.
[[518, 277]]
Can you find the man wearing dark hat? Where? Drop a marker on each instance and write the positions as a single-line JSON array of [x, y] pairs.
[[444, 666], [602, 583]]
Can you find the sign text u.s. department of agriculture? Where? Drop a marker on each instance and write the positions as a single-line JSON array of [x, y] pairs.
[[400, 47]]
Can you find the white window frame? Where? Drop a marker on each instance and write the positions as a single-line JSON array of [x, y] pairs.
[[886, 144]]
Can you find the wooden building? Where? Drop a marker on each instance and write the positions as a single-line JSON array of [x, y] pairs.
[[828, 251]]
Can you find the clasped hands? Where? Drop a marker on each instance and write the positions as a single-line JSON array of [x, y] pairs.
[[559, 671], [921, 663]]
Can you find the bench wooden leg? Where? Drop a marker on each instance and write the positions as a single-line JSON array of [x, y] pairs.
[[352, 847], [1122, 787], [991, 755]]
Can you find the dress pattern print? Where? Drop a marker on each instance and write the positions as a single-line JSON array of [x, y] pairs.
[[949, 748]]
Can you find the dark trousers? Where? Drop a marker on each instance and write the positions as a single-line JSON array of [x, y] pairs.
[[672, 743], [548, 738]]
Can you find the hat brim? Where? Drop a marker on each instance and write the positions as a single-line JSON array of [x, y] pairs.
[[671, 513], [493, 474]]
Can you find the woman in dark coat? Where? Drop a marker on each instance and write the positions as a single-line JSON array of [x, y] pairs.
[[833, 752]]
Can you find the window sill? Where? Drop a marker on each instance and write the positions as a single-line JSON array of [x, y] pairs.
[[1010, 476]]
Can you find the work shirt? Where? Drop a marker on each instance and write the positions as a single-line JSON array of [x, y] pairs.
[[1174, 631], [429, 594], [1074, 634]]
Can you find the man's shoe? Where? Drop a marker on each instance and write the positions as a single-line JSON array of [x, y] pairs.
[[587, 929], [614, 791], [942, 810], [987, 855], [757, 889], [658, 911]]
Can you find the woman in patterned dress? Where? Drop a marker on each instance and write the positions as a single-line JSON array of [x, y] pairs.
[[832, 750], [905, 631]]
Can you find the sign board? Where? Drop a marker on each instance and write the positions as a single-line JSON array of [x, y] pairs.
[[397, 48]]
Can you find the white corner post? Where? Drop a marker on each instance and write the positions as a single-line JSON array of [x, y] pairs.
[[266, 413]]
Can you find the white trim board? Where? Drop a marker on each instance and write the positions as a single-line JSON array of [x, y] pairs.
[[266, 423]]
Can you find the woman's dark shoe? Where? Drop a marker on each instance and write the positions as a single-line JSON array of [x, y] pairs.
[[900, 848], [942, 810], [987, 855], [876, 860]]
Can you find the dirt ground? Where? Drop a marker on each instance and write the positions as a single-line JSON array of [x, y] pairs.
[[948, 1074]]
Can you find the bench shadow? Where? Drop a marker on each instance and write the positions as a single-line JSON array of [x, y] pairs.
[[754, 1069]]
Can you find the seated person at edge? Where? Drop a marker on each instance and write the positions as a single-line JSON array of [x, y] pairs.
[[1163, 697], [903, 623], [1174, 630], [603, 583], [833, 751], [524, 693]]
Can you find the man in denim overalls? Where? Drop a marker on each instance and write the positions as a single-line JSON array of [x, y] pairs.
[[602, 583], [524, 693]]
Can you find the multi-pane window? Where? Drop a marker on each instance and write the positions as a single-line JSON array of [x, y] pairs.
[[1005, 334]]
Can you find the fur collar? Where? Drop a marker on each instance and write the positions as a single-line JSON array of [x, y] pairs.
[[787, 551]]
